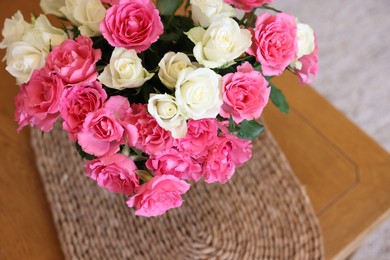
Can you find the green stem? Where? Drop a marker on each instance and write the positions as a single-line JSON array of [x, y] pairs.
[[250, 18], [126, 149], [268, 7], [144, 175], [138, 158]]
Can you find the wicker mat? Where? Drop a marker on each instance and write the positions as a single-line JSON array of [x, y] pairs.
[[262, 213]]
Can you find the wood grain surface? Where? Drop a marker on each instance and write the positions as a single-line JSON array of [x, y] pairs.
[[346, 174], [26, 227]]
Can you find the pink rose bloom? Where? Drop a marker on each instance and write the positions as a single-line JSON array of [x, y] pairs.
[[201, 135], [274, 42], [158, 195], [152, 138], [229, 153], [241, 149], [248, 5], [310, 67], [174, 162], [132, 24], [74, 60], [245, 94], [105, 129], [218, 166], [116, 173], [38, 101], [77, 102]]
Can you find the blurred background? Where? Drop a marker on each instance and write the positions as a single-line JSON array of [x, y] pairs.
[[354, 41]]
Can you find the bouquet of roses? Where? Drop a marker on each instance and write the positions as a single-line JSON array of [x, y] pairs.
[[154, 100]]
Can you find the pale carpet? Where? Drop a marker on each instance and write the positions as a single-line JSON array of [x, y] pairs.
[[354, 41]]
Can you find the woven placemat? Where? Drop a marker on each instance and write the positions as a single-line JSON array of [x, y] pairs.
[[262, 213]]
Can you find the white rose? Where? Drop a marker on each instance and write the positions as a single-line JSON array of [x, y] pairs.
[[199, 93], [124, 71], [68, 11], [165, 110], [170, 67], [14, 29], [52, 7], [221, 43], [206, 11], [89, 13], [29, 54], [43, 35], [306, 39], [23, 59]]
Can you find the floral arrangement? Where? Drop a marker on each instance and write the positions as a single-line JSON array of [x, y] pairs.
[[153, 100]]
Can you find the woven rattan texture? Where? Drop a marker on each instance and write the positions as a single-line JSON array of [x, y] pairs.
[[262, 213]]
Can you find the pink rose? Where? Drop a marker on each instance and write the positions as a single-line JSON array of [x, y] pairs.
[[77, 102], [274, 42], [248, 5], [132, 24], [229, 153], [174, 162], [116, 173], [218, 166], [245, 94], [74, 60], [158, 195], [201, 135], [152, 138], [310, 67], [105, 129], [241, 150], [38, 101]]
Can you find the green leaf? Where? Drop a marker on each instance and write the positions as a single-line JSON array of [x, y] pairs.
[[232, 125], [75, 31], [250, 130], [170, 37], [168, 7], [279, 99]]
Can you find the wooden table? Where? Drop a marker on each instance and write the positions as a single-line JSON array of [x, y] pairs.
[[346, 174]]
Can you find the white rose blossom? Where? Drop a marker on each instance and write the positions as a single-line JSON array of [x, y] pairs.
[[86, 14], [14, 29], [199, 93], [206, 11], [165, 110], [124, 71], [221, 43], [68, 11], [89, 13], [52, 7], [306, 43], [23, 59], [306, 40], [170, 67], [43, 35], [29, 53]]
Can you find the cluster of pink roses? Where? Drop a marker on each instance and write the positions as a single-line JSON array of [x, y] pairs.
[[67, 86], [151, 150], [202, 153], [275, 45]]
